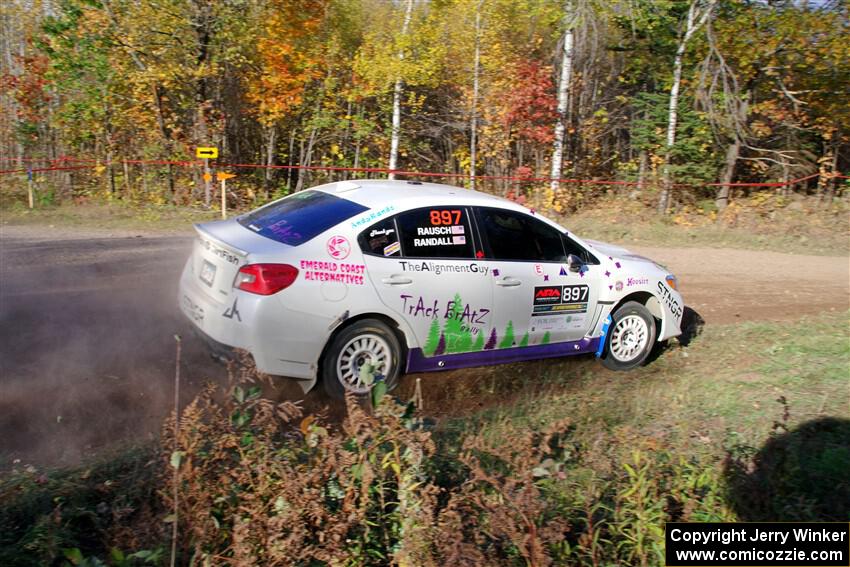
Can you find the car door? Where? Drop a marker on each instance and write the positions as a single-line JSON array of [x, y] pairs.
[[423, 265], [536, 298]]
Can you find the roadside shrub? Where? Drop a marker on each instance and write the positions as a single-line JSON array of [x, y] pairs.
[[618, 518], [109, 504], [500, 514], [259, 484]]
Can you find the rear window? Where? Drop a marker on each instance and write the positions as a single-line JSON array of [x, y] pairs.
[[298, 218]]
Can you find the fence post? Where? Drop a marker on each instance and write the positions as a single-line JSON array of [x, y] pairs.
[[29, 188], [224, 198]]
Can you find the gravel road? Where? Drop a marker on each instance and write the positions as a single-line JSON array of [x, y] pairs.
[[88, 318]]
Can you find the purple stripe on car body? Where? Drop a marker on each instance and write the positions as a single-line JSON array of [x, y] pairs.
[[418, 362]]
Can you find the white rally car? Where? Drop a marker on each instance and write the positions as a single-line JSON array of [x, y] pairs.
[[401, 276]]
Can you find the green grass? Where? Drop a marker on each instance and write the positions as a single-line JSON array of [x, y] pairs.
[[727, 381]]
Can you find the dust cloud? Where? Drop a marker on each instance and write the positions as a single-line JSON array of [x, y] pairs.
[[87, 349]]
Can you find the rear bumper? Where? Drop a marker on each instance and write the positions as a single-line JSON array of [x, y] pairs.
[[210, 316], [253, 323], [219, 351]]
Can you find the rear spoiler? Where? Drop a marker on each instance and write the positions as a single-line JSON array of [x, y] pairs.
[[199, 228]]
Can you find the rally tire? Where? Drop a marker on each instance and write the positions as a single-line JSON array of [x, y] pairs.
[[630, 338], [365, 341]]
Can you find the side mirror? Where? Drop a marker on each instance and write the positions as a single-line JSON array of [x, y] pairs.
[[575, 263]]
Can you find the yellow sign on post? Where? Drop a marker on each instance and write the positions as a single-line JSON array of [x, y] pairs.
[[221, 176], [206, 153]]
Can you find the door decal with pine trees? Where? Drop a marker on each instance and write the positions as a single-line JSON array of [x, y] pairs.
[[455, 337]]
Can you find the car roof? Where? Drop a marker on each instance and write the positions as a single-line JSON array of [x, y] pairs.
[[377, 193]]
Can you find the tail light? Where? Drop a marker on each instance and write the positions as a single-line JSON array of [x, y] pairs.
[[265, 279]]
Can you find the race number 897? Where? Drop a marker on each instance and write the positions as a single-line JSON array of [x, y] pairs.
[[445, 217], [574, 293]]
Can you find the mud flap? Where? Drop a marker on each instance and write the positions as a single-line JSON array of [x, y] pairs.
[[604, 336]]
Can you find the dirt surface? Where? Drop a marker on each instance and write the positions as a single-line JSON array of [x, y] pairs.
[[729, 286], [88, 318]]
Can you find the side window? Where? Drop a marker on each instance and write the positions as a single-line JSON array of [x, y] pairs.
[[380, 239], [512, 235], [435, 232], [571, 247]]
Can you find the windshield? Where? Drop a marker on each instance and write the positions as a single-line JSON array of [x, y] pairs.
[[298, 218]]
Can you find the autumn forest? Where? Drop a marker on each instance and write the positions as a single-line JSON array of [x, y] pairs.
[[650, 94]]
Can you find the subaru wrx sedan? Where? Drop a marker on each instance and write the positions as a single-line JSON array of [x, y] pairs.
[[357, 281]]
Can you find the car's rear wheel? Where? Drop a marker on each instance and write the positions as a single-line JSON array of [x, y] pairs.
[[631, 337], [366, 342]]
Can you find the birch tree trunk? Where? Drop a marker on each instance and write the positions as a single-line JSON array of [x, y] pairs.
[[271, 140], [299, 182], [832, 183], [732, 153], [110, 172], [306, 158], [397, 92], [127, 184], [827, 170], [473, 126], [346, 135], [666, 177], [643, 165], [291, 161], [563, 96], [697, 16], [12, 39]]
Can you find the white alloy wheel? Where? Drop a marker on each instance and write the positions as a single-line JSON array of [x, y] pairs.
[[367, 341], [629, 338], [363, 349]]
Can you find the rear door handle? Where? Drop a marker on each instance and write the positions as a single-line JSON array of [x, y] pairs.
[[396, 280], [508, 282]]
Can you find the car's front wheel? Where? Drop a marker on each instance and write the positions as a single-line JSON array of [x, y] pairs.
[[362, 353], [631, 337]]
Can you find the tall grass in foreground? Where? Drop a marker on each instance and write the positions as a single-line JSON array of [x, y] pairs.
[[262, 484]]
